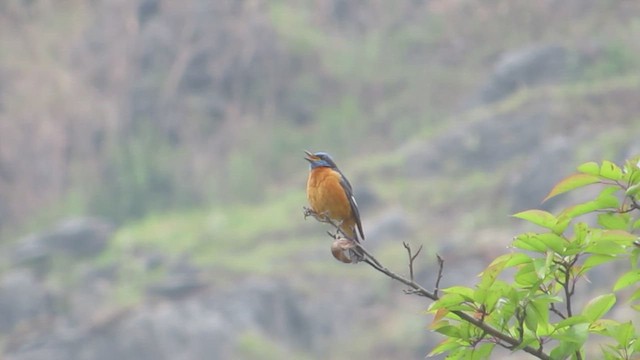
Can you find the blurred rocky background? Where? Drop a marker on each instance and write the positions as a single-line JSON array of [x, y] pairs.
[[152, 180]]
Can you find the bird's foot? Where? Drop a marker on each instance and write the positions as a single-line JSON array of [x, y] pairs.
[[322, 217], [308, 212]]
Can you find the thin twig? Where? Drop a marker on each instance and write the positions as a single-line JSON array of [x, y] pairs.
[[373, 259], [521, 314], [412, 257], [555, 310], [412, 292], [440, 269], [569, 285], [634, 202], [552, 306]]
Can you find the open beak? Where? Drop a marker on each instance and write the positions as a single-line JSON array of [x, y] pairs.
[[310, 157]]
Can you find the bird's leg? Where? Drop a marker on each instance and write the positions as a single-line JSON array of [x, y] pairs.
[[322, 217]]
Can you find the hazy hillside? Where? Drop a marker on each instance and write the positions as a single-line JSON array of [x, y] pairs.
[[152, 179]]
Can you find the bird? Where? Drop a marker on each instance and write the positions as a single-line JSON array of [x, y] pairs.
[[330, 195]]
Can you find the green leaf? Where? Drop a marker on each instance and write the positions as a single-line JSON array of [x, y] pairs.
[[447, 301], [633, 174], [577, 319], [605, 247], [538, 217], [614, 221], [526, 342], [447, 345], [633, 190], [467, 331], [564, 350], [529, 241], [553, 242], [483, 351], [604, 201], [511, 259], [635, 296], [499, 290], [527, 276], [542, 266], [517, 259], [571, 340], [449, 331], [636, 346], [549, 298], [608, 242], [610, 171], [531, 320], [607, 198], [490, 274], [539, 309], [580, 232], [623, 333], [580, 209], [544, 329], [465, 292], [561, 225], [620, 236], [590, 168], [570, 183], [480, 295], [603, 326], [627, 279], [611, 353], [635, 254], [573, 334], [595, 260], [598, 306], [461, 353]]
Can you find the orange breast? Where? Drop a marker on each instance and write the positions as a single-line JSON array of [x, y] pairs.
[[326, 195]]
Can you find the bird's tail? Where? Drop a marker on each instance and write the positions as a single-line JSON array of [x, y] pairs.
[[350, 231], [355, 253]]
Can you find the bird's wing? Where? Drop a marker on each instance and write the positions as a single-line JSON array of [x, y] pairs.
[[352, 201]]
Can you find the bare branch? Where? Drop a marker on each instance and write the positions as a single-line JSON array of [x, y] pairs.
[[412, 257], [555, 310], [440, 269], [569, 286], [416, 289], [412, 292]]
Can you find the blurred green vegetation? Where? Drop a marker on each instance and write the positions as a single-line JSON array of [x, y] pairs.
[[254, 345], [194, 147], [143, 178], [234, 134], [223, 175], [225, 228]]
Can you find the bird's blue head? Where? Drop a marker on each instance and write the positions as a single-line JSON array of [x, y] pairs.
[[320, 159]]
